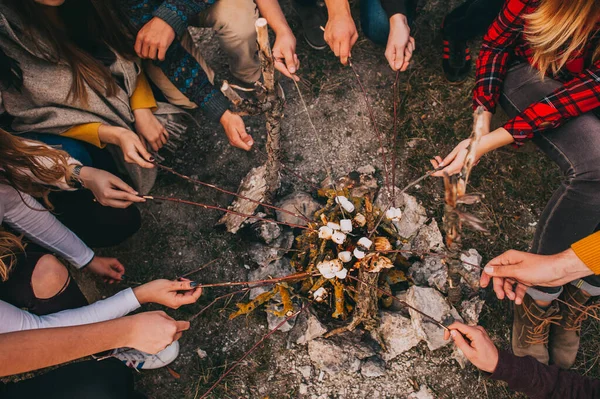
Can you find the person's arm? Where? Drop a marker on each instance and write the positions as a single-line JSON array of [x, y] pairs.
[[284, 48], [178, 13], [523, 374], [574, 98], [148, 332], [400, 45], [340, 31], [27, 216], [404, 7], [492, 63]]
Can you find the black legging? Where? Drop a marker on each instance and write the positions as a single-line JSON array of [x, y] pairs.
[[105, 379], [471, 19]]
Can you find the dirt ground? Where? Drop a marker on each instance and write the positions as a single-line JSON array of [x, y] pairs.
[[178, 238]]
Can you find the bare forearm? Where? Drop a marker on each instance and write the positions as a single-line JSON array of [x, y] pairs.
[[271, 11], [496, 139], [35, 349], [337, 8]]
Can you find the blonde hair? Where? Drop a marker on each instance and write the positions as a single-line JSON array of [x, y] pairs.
[[19, 161], [559, 29]]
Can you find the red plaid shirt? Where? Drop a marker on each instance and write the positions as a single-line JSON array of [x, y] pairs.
[[579, 94]]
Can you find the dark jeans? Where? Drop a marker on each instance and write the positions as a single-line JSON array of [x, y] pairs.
[[573, 211], [471, 19], [106, 379]]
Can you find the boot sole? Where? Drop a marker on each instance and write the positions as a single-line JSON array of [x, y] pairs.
[[314, 46]]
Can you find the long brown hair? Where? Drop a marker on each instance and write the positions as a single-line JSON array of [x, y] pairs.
[[19, 161], [558, 29], [86, 26]]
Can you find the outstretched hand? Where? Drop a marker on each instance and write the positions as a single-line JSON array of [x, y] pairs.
[[172, 294], [341, 34], [110, 269], [476, 345], [284, 54]]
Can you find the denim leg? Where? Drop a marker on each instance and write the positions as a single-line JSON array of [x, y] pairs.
[[374, 21], [573, 211], [75, 148]]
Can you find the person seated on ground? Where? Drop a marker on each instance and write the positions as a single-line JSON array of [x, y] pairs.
[[546, 81], [180, 71], [385, 22], [108, 221], [522, 374], [69, 77], [466, 22]]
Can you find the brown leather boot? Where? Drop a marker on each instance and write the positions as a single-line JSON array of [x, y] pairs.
[[564, 337], [531, 329]]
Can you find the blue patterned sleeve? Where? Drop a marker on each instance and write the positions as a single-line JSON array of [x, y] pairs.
[[177, 13]]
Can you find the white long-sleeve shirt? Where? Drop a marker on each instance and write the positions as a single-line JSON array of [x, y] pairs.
[[27, 216]]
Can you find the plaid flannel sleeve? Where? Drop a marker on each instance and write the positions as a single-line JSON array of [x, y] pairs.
[[576, 97], [177, 13], [495, 50]]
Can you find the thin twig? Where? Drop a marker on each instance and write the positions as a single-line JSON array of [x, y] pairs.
[[200, 268], [196, 181], [216, 300], [403, 303], [291, 171], [297, 276], [225, 374], [395, 135], [218, 208]]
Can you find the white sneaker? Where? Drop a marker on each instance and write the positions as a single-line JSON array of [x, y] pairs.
[[144, 361]]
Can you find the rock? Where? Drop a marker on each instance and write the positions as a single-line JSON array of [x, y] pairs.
[[201, 353], [306, 371], [314, 329], [366, 170], [386, 197], [428, 239], [373, 367], [275, 321], [431, 271], [299, 202], [423, 393], [279, 268], [266, 231], [471, 309], [431, 302], [338, 354], [460, 357], [413, 218], [303, 389], [472, 263], [263, 255], [397, 333]]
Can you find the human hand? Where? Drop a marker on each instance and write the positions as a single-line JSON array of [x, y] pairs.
[[341, 34], [168, 293], [150, 128], [480, 351], [284, 54], [400, 45], [454, 162], [236, 131], [133, 149], [152, 332], [154, 39], [525, 270], [108, 189], [110, 269]]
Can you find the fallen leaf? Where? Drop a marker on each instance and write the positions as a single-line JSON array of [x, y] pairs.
[[173, 373]]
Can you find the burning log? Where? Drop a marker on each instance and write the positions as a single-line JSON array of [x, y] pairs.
[[261, 183], [454, 217]]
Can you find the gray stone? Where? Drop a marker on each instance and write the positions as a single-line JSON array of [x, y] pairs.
[[373, 367], [460, 357], [431, 271], [263, 255], [266, 231], [397, 333], [366, 170], [306, 371], [275, 321], [428, 239], [300, 203], [471, 309], [279, 268], [413, 218], [314, 329], [472, 264], [303, 389], [338, 354], [386, 197], [423, 393], [431, 302]]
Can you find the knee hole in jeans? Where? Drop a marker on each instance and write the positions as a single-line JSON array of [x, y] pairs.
[[49, 277]]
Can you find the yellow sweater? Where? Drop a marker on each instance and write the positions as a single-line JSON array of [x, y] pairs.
[[141, 98], [588, 250]]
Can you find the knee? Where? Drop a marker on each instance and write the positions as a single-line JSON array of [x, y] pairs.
[[49, 277], [236, 19], [374, 21]]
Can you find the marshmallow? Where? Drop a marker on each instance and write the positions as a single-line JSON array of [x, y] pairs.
[[320, 294], [333, 226], [360, 219], [342, 274], [365, 242], [346, 225], [329, 268], [325, 232], [338, 237], [345, 256], [340, 199], [358, 254], [348, 206], [393, 214]]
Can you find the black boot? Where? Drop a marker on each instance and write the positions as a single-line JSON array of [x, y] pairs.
[[456, 60], [313, 16]]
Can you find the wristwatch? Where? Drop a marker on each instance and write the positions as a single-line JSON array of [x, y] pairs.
[[75, 180]]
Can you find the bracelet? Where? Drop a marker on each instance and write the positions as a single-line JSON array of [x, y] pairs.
[[75, 180]]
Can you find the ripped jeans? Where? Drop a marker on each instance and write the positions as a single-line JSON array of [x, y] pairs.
[[573, 211]]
